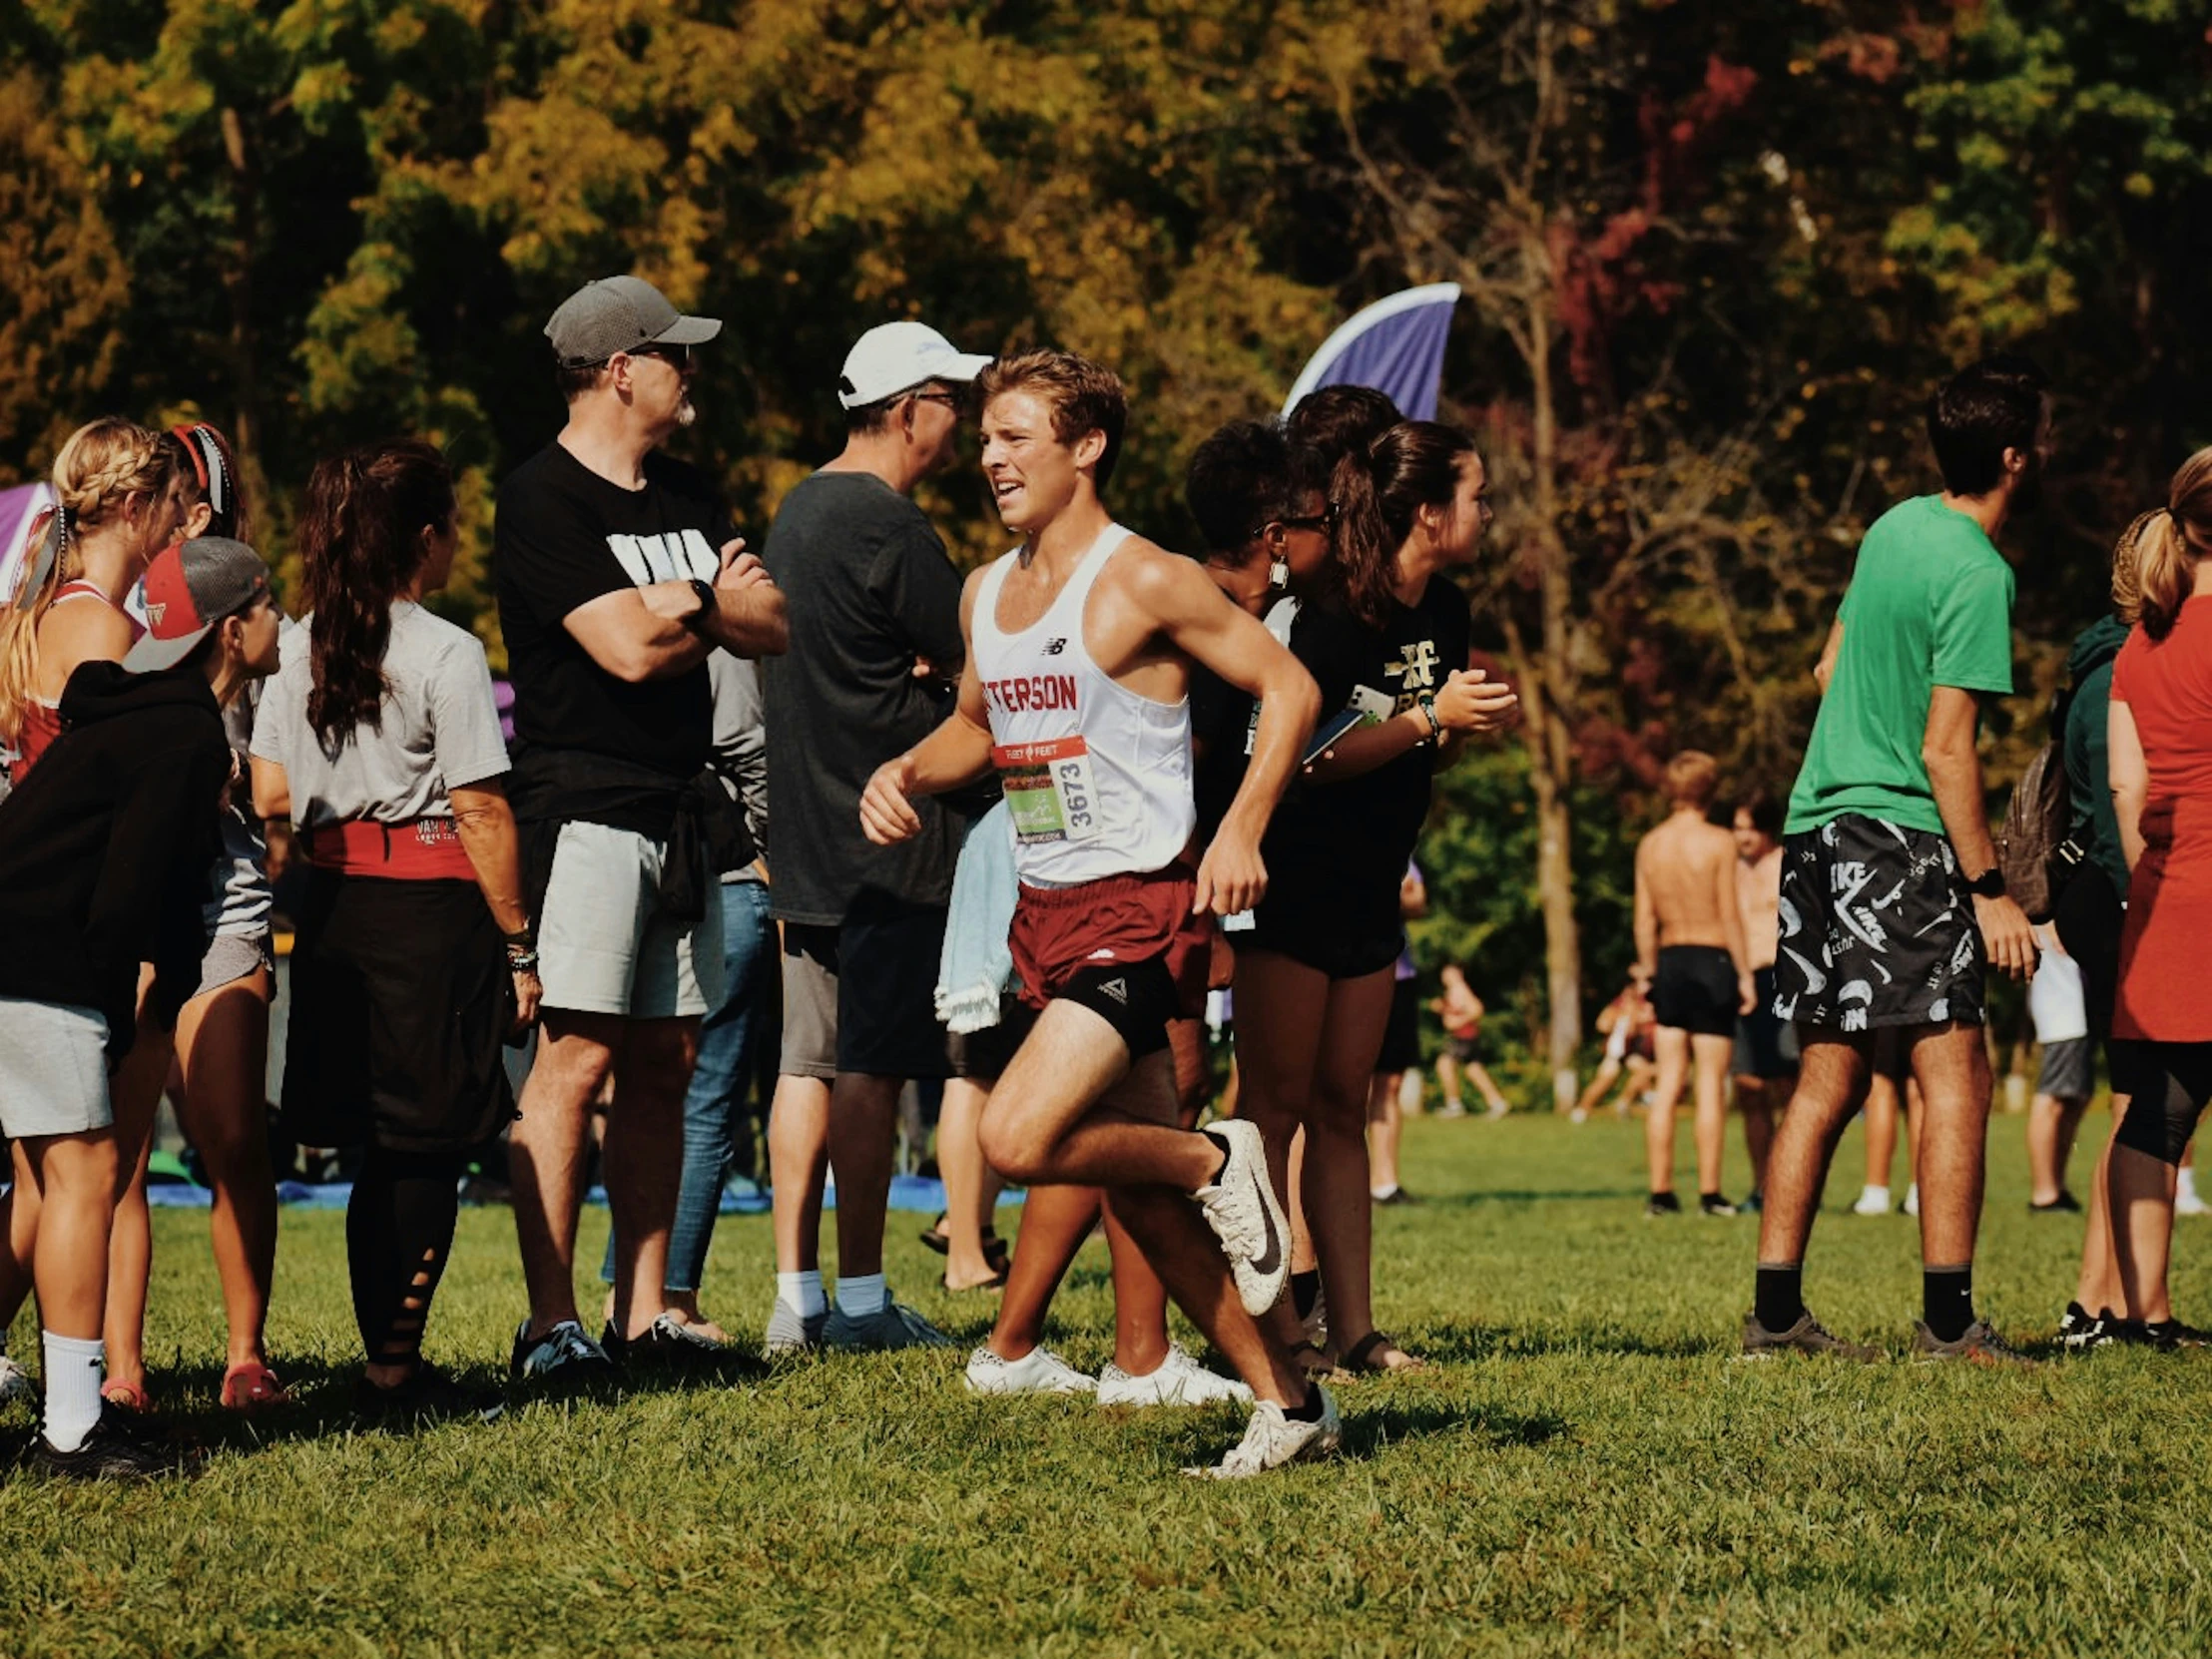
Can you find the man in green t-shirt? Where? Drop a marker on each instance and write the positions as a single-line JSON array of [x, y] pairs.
[[1890, 892]]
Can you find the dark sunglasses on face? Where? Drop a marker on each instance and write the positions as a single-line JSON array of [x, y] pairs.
[[678, 358], [946, 398]]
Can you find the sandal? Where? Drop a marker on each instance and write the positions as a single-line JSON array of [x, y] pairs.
[[252, 1386], [996, 1281], [130, 1397], [1359, 1359], [1312, 1362], [994, 1248]]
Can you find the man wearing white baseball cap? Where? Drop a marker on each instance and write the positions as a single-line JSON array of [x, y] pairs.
[[872, 598]]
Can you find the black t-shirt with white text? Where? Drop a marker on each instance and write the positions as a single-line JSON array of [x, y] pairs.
[[1352, 837], [564, 536]]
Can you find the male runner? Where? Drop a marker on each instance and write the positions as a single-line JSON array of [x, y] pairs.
[[1890, 890], [1080, 648], [1690, 941], [1766, 1045]]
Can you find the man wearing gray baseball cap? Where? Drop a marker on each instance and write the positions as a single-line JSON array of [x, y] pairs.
[[874, 597], [619, 571]]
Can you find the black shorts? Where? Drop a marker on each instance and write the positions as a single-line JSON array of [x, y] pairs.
[[1139, 1001], [1694, 990], [1343, 936], [1876, 930], [1766, 1048], [861, 997], [400, 1006], [1401, 1033], [2088, 917]]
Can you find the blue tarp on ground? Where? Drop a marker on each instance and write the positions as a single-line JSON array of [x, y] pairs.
[[739, 1198]]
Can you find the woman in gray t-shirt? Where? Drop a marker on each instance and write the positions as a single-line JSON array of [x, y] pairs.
[[415, 957]]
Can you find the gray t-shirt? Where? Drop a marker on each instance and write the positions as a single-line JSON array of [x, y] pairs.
[[869, 589], [440, 729], [740, 747], [239, 898]]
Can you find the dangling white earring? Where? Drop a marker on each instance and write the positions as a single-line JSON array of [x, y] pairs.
[[1279, 573]]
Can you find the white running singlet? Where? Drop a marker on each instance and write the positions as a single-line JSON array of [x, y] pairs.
[[1097, 778]]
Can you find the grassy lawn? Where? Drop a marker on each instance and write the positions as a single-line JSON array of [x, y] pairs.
[[1584, 1468]]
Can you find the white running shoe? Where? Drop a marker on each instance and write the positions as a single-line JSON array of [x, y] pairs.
[[1039, 1372], [1273, 1439], [1242, 1210], [1178, 1381], [1913, 1199], [15, 1382], [1873, 1201], [2186, 1203]]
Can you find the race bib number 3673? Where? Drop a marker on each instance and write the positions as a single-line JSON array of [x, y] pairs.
[[1048, 789]]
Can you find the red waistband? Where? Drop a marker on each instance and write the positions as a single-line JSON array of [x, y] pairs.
[[420, 849]]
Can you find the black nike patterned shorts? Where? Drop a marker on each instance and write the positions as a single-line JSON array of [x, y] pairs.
[[1878, 930]]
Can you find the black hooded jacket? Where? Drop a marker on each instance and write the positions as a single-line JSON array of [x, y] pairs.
[[105, 846]]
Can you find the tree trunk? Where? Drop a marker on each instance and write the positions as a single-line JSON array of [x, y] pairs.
[[238, 283], [1549, 700]]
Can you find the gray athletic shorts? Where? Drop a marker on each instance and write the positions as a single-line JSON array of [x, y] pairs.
[[604, 945], [230, 957], [53, 1069], [2068, 1070]]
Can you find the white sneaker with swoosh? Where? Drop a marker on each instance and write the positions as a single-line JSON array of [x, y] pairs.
[[1273, 1439], [1240, 1206]]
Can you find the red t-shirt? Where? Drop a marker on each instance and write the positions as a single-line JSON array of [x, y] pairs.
[[2167, 687]]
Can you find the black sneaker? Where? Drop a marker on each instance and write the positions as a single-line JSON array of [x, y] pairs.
[[1978, 1345], [2080, 1330], [564, 1357], [2177, 1335], [1397, 1195], [1754, 1202], [1806, 1337], [430, 1396], [1712, 1204], [114, 1450], [1662, 1204], [667, 1345], [2066, 1204], [2136, 1333]]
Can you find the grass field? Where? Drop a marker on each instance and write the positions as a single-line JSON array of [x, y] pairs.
[[1584, 1469]]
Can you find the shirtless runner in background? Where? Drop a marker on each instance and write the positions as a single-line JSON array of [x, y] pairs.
[[1766, 1045], [1690, 941]]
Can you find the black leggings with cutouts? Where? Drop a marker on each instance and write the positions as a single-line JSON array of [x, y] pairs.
[[398, 1234]]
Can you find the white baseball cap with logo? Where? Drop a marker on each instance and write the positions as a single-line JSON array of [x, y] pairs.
[[899, 356]]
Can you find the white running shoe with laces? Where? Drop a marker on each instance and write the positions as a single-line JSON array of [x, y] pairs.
[[1178, 1381], [1039, 1372], [1240, 1206], [1272, 1440]]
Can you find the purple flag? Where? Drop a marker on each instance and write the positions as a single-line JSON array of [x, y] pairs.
[[1396, 346]]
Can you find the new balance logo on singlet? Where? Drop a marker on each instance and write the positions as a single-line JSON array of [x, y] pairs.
[[1053, 647], [1032, 691], [675, 557]]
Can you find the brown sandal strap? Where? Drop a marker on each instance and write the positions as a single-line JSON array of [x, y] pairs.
[[1357, 1358]]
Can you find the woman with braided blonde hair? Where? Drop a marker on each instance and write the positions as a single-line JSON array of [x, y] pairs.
[[116, 489]]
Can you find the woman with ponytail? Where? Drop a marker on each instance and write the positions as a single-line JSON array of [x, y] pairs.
[[2160, 743], [222, 1039], [1314, 981], [414, 958], [116, 506]]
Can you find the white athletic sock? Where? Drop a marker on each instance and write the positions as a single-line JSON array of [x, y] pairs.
[[75, 1366], [865, 1295], [2185, 1192], [802, 1293]]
